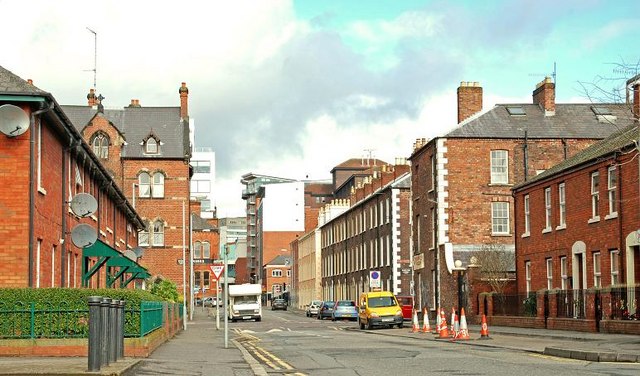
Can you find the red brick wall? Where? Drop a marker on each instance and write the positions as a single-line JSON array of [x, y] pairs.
[[113, 163], [469, 100]]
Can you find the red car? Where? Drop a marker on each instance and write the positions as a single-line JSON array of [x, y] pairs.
[[406, 303]]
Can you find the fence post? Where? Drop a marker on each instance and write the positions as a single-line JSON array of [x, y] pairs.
[[540, 307], [95, 325], [113, 333], [489, 307], [105, 344], [141, 319], [32, 323], [121, 320]]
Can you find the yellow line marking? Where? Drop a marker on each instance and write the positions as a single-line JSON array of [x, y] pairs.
[[275, 358], [263, 358]]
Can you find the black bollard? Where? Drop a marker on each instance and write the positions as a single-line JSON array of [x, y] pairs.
[[105, 307], [113, 331], [121, 329], [95, 325]]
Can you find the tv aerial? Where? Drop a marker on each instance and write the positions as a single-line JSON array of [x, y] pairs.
[[83, 205], [13, 120]]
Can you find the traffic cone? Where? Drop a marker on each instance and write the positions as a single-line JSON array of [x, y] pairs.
[[425, 319], [454, 330], [438, 322], [484, 329], [443, 332], [415, 325], [463, 333]]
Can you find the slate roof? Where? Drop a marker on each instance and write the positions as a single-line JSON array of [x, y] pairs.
[[199, 224], [358, 163], [13, 84], [570, 121], [621, 139], [137, 124], [280, 260]]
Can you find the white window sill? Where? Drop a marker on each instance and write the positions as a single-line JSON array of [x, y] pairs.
[[525, 235], [594, 219], [501, 235], [611, 216], [42, 191], [95, 219], [500, 185], [561, 227], [546, 230], [103, 233], [110, 231]]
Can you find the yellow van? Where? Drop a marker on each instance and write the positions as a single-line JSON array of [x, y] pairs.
[[379, 308]]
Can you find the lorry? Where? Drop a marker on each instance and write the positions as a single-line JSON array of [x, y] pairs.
[[245, 302]]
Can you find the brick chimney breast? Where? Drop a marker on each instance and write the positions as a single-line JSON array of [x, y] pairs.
[[545, 96], [469, 100], [184, 101]]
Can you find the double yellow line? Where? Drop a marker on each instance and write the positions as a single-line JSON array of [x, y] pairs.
[[269, 359]]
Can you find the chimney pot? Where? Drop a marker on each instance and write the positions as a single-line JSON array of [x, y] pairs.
[[30, 81]]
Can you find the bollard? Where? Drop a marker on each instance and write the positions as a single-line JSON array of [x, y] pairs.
[[95, 324], [113, 331], [120, 352], [105, 306]]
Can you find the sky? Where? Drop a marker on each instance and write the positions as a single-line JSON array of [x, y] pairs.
[[294, 88]]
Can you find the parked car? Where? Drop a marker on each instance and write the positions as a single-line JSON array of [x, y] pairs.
[[212, 301], [379, 308], [326, 310], [313, 307], [345, 309], [279, 304], [406, 303]]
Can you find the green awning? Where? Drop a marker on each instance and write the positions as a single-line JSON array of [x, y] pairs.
[[111, 259]]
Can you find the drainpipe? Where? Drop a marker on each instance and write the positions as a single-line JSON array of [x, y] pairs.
[[564, 148], [64, 218], [525, 150], [32, 190]]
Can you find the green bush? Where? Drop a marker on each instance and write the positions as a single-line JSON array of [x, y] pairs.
[[61, 312], [166, 290]]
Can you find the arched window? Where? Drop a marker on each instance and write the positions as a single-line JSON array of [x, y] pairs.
[[158, 233], [143, 236], [158, 185], [144, 185], [206, 250], [100, 145], [197, 250], [151, 147]]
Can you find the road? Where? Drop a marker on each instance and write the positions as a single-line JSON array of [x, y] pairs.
[[287, 342]]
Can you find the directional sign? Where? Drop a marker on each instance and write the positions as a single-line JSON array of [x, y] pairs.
[[217, 270]]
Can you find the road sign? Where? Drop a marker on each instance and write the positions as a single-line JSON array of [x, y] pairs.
[[374, 279], [217, 270]]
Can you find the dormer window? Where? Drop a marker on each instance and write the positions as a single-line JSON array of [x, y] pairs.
[[151, 146]]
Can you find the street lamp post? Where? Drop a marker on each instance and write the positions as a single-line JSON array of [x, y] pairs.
[[461, 291]]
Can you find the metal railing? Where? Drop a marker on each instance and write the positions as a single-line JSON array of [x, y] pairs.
[[624, 303], [515, 304], [571, 303]]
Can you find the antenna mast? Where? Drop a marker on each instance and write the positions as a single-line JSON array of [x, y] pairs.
[[95, 56]]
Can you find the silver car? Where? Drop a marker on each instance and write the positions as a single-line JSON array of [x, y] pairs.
[[313, 308]]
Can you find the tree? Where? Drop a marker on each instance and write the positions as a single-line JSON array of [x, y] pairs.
[[496, 265], [165, 289]]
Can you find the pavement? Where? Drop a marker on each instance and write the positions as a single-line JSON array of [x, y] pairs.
[[185, 350]]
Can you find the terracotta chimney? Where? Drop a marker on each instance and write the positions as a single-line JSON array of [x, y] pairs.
[[30, 81], [545, 96], [91, 98], [469, 100], [184, 101]]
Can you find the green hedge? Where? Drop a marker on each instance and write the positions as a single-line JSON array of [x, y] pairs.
[[61, 312]]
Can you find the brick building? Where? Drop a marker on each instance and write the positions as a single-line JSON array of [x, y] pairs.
[[368, 232], [205, 238], [462, 182], [147, 151], [577, 223], [46, 163]]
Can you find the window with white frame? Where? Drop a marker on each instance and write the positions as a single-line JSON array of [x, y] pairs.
[[433, 172], [564, 277], [144, 185], [597, 271], [562, 205], [433, 227], [527, 271], [151, 146], [595, 195], [197, 250], [158, 233], [203, 167], [612, 185], [206, 250], [500, 218], [143, 236], [615, 266], [276, 273], [39, 156], [547, 209], [418, 234], [100, 145], [527, 216], [549, 274], [157, 189], [499, 167], [288, 272]]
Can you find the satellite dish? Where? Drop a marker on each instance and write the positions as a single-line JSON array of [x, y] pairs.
[[83, 205], [84, 235], [131, 255], [139, 251], [13, 120]]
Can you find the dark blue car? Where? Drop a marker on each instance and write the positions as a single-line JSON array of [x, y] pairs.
[[326, 310]]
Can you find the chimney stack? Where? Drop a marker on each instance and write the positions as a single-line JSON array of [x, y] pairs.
[[91, 98], [184, 101], [545, 96], [30, 81], [469, 100]]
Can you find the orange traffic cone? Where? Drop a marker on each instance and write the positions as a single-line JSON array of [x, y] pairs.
[[415, 327], [443, 332], [425, 320], [454, 330], [438, 323], [484, 329], [463, 333]]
